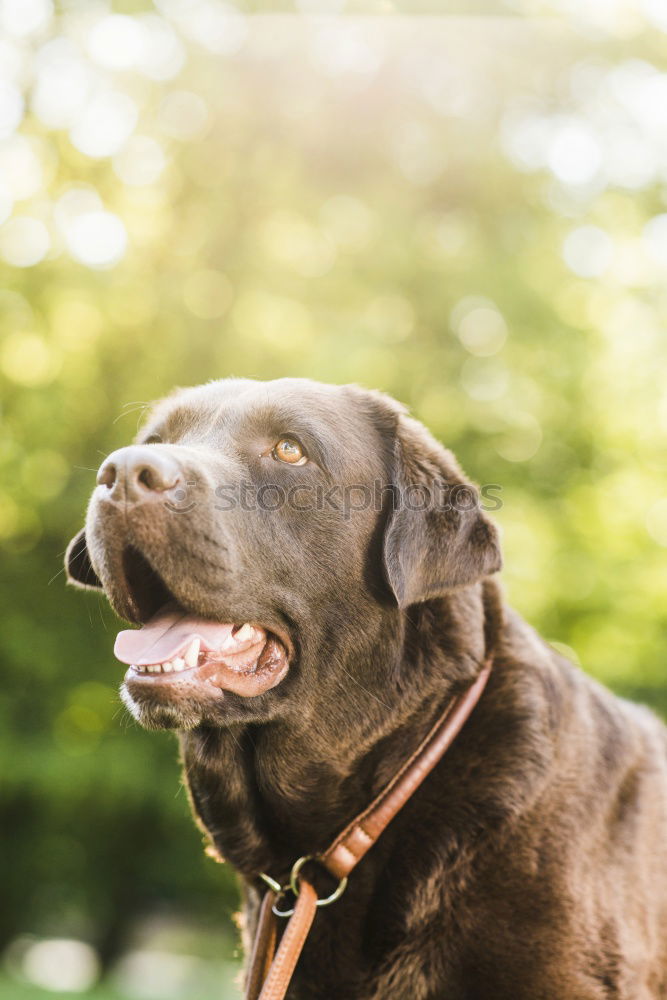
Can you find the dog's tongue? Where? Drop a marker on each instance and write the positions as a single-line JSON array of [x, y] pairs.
[[166, 635]]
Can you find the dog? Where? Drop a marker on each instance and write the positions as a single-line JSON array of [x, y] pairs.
[[314, 578]]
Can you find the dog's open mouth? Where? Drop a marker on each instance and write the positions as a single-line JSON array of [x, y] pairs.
[[174, 647]]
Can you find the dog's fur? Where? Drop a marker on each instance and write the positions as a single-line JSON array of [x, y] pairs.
[[532, 863]]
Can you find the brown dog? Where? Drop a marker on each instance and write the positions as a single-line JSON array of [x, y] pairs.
[[306, 563]]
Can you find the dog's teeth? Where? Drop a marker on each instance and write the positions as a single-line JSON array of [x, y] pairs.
[[244, 633], [154, 668], [191, 655], [178, 663], [167, 667], [229, 643]]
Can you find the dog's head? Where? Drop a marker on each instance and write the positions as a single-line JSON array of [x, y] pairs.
[[262, 532]]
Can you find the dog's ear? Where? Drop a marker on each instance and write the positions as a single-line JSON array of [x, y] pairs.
[[78, 566], [436, 537]]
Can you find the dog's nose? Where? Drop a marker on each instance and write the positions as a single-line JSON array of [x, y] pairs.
[[139, 472]]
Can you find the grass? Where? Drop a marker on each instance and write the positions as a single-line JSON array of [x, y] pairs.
[[11, 989]]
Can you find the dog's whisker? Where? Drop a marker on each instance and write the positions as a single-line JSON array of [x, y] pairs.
[[130, 408], [55, 576], [365, 689], [100, 608]]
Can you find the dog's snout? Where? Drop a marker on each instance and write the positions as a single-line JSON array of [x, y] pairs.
[[138, 472]]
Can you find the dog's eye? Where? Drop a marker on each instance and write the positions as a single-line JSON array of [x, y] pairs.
[[289, 450]]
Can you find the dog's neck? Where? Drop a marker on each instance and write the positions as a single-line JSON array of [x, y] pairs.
[[267, 794]]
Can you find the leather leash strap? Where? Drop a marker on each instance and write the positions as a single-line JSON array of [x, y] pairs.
[[268, 976], [263, 946]]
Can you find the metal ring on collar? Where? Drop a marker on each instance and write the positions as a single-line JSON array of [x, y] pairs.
[[294, 884], [279, 890], [274, 908], [271, 882]]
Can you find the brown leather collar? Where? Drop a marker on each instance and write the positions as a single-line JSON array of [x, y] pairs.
[[270, 971]]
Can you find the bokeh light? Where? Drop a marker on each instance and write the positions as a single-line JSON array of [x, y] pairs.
[[24, 241], [97, 239], [587, 251], [104, 124], [61, 965]]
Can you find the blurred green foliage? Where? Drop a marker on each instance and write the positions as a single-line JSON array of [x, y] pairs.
[[467, 213]]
